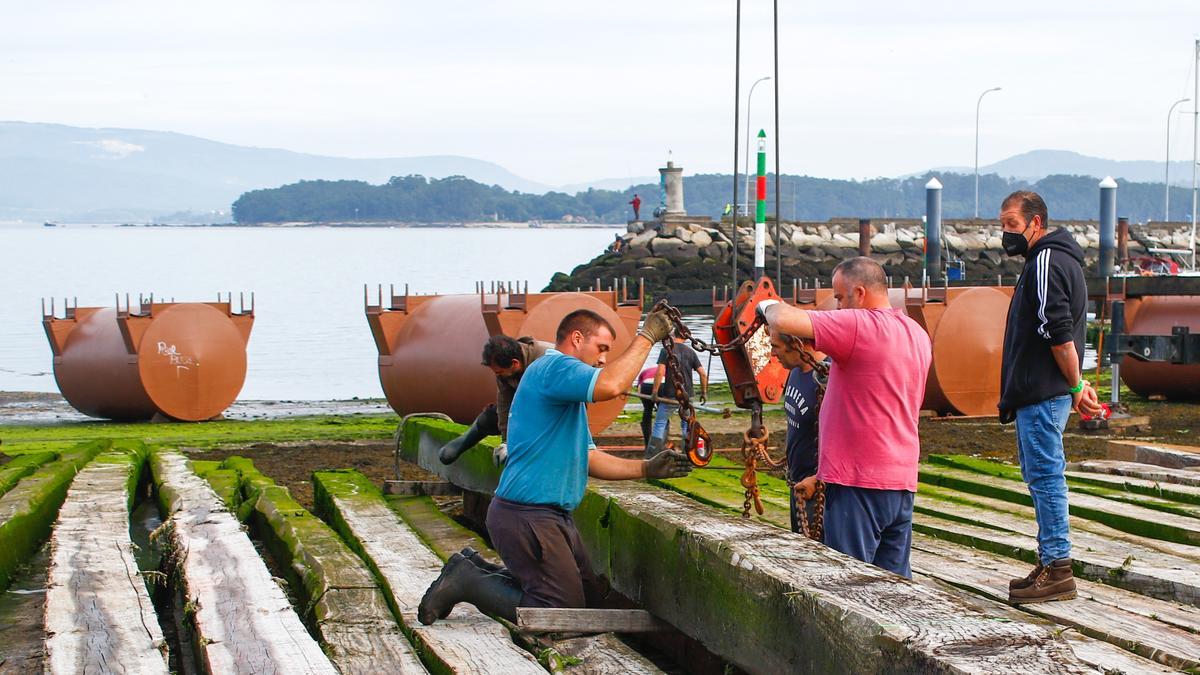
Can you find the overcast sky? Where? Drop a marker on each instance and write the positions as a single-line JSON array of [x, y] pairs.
[[569, 91]]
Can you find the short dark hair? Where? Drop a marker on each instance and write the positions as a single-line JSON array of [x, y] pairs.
[[501, 351], [863, 271], [1030, 203], [583, 320]]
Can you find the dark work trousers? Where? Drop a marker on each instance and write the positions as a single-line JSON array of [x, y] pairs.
[[874, 526], [543, 551], [647, 389]]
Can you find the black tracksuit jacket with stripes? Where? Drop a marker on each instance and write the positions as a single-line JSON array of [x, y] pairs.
[[1048, 308]]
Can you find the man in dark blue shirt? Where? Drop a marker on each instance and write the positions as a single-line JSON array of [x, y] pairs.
[[800, 404]]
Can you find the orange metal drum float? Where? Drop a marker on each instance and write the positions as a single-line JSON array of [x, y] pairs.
[[966, 327], [430, 346], [184, 361], [1158, 315]]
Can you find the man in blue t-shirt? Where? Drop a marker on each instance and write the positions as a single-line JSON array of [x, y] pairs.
[[550, 456], [800, 404]]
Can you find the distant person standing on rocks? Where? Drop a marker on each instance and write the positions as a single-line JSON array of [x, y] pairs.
[[1041, 380], [869, 447], [636, 203]]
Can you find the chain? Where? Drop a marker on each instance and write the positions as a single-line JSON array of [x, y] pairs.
[[816, 529]]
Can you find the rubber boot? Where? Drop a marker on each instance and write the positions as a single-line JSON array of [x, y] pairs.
[[482, 563], [655, 446], [462, 581], [485, 425]]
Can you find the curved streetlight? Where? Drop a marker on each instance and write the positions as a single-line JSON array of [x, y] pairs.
[[746, 195], [977, 104], [1167, 172]]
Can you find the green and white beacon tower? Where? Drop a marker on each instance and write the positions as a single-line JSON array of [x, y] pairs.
[[760, 209]]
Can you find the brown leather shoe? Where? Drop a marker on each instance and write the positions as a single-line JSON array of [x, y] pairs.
[[1014, 584], [1054, 582]]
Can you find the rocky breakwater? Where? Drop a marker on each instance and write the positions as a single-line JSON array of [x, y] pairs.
[[697, 255]]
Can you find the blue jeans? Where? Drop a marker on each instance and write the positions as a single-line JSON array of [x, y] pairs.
[[662, 421], [1040, 450], [874, 526]]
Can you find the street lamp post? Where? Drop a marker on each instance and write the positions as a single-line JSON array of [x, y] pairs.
[[1167, 172], [977, 104], [746, 203]]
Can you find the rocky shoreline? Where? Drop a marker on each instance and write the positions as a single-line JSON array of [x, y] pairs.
[[680, 255]]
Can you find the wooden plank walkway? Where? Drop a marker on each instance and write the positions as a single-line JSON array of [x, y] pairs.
[[1186, 494], [341, 598], [590, 655], [99, 617], [27, 511], [465, 642], [242, 620], [770, 601]]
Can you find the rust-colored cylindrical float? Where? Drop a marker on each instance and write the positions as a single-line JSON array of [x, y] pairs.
[[966, 328], [184, 361], [1157, 315], [430, 346]]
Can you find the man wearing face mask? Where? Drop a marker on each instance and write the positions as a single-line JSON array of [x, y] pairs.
[[1041, 380], [868, 440]]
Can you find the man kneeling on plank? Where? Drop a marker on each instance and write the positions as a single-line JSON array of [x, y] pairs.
[[507, 358], [550, 456], [868, 440]]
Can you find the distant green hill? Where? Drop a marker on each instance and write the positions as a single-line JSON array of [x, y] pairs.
[[417, 199]]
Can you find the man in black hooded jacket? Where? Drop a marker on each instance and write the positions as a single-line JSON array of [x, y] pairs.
[[1041, 380]]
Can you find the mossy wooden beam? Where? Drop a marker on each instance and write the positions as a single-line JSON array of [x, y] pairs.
[[240, 618], [341, 599], [98, 614], [27, 511], [770, 601], [465, 642], [21, 466], [1130, 518]]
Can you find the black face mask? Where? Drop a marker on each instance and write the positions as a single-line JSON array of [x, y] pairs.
[[1014, 243]]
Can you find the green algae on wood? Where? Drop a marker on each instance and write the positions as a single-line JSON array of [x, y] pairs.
[[28, 510], [21, 466]]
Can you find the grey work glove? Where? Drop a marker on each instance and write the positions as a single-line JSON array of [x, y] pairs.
[[761, 308], [668, 464], [657, 327], [500, 454]]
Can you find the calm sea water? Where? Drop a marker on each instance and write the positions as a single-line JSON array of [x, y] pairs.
[[310, 339]]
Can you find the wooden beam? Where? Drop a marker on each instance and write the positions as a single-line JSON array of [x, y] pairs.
[[98, 614], [21, 466], [553, 620], [797, 606], [241, 619], [340, 595], [1151, 472], [420, 488], [465, 642], [1170, 456]]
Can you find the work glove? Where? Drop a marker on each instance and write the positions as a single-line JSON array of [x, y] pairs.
[[761, 308], [657, 327], [668, 464], [500, 454]]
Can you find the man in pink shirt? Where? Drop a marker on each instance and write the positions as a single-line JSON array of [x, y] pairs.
[[868, 446]]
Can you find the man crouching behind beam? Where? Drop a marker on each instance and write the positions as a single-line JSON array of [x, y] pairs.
[[550, 456], [868, 440]]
